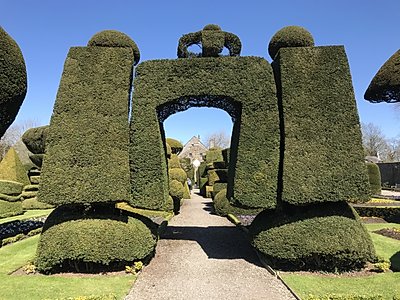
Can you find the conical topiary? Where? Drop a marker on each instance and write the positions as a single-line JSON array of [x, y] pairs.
[[12, 169]]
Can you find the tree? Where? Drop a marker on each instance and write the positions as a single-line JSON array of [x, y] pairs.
[[218, 139], [374, 140], [392, 150]]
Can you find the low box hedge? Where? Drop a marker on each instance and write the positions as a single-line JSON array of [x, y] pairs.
[[388, 213]]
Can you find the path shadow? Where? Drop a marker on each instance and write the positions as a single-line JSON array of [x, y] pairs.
[[218, 242], [209, 207]]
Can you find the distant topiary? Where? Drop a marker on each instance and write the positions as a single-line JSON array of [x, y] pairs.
[[290, 36], [13, 80], [374, 178], [114, 38], [85, 241], [12, 169], [168, 150], [223, 207], [385, 86], [176, 146], [177, 174], [173, 162], [10, 208], [326, 236], [10, 187], [176, 189], [35, 139], [214, 155]]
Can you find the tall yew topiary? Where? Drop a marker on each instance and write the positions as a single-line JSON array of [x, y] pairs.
[[374, 176], [13, 80]]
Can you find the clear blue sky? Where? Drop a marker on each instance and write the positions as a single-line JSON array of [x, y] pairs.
[[46, 29]]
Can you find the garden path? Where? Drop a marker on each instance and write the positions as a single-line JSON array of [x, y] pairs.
[[204, 256]]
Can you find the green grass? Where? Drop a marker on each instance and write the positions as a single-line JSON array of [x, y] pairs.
[[385, 284], [27, 215], [16, 287]]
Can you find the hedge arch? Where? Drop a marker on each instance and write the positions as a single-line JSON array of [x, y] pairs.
[[242, 86]]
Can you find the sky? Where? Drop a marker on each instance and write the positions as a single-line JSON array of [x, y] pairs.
[[46, 29]]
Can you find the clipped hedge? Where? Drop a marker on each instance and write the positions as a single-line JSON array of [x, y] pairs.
[[177, 174], [13, 80], [223, 207], [11, 188], [323, 158], [87, 157], [33, 203], [214, 156], [176, 189], [11, 168], [164, 87], [73, 238], [374, 176], [324, 236], [217, 187], [9, 209], [176, 146], [173, 162], [388, 213], [35, 139]]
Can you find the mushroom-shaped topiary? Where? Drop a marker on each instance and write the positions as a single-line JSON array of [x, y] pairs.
[[212, 40], [35, 139], [13, 80], [114, 38], [177, 174], [290, 36], [385, 86], [176, 146]]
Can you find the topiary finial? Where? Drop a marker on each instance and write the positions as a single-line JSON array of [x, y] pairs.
[[114, 38], [290, 36], [212, 41]]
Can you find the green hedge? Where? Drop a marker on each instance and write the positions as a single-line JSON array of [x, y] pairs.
[[87, 158], [173, 162], [325, 236], [223, 207], [176, 146], [177, 174], [13, 80], [9, 209], [10, 198], [33, 203], [214, 156], [35, 139], [11, 188], [74, 238], [242, 86], [218, 186], [323, 158], [388, 213], [11, 168], [374, 176], [176, 189]]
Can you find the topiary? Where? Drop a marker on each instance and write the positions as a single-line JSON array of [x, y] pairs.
[[176, 146], [9, 209], [33, 203], [326, 236], [176, 189], [114, 38], [177, 174], [35, 139], [168, 150], [11, 188], [214, 155], [12, 169], [13, 80], [223, 207], [290, 36], [374, 178], [90, 240], [173, 162]]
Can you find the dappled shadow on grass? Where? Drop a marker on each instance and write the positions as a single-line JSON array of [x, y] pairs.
[[218, 242]]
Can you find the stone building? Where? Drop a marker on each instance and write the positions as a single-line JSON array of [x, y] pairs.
[[193, 149]]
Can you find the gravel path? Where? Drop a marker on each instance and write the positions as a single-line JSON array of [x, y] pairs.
[[204, 256]]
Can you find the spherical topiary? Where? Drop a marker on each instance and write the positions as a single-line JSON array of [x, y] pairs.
[[173, 162], [176, 146], [212, 27], [177, 174], [114, 38], [221, 203], [176, 189], [13, 80], [35, 139], [73, 239], [374, 178], [290, 36]]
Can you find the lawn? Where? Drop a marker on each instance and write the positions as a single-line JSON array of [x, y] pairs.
[[27, 215], [34, 287], [385, 284]]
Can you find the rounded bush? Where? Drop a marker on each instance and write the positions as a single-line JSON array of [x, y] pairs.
[[177, 174], [114, 38], [212, 27], [173, 162], [71, 240], [8, 187], [35, 139], [9, 209], [221, 203], [290, 36], [176, 146], [374, 178], [176, 189], [325, 237]]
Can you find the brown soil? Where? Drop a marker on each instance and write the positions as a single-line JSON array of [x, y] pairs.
[[21, 271], [369, 220], [389, 232]]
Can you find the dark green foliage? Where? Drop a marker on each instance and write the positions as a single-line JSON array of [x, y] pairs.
[[223, 207], [35, 139], [177, 174], [176, 189], [374, 178], [176, 146], [82, 239], [385, 86], [11, 188], [201, 171], [186, 191], [290, 36], [390, 173], [13, 80], [214, 156], [226, 155], [323, 158], [12, 169], [169, 150], [217, 175], [9, 209], [324, 236], [203, 182], [219, 186], [212, 40], [388, 213], [37, 159], [87, 156], [33, 203], [242, 86], [114, 38]]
